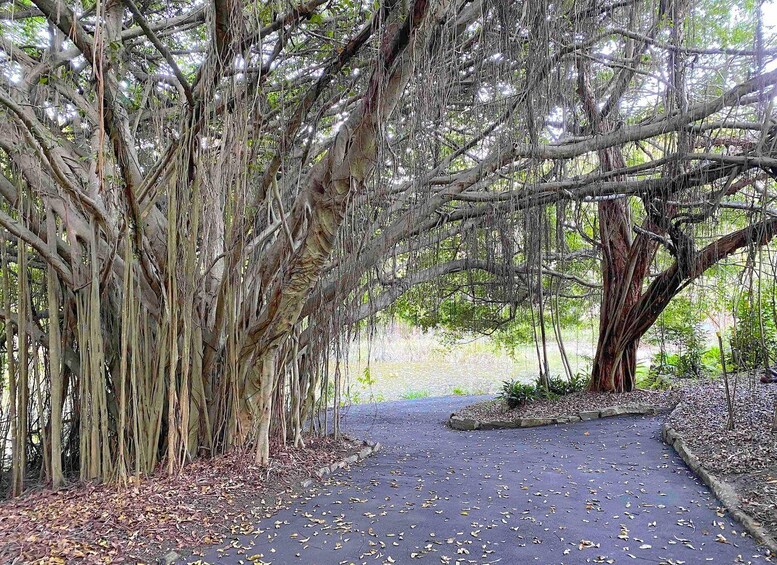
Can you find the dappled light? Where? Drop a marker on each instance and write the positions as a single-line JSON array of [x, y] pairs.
[[218, 218]]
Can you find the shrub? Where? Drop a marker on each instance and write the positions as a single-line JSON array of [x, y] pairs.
[[680, 327], [690, 343], [750, 346], [558, 386], [663, 364], [516, 393], [655, 380], [415, 394], [710, 360]]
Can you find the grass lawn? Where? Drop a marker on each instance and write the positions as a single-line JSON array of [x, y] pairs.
[[406, 363]]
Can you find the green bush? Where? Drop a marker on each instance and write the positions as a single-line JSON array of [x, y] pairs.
[[558, 386], [416, 394], [680, 327], [690, 342], [667, 366], [751, 347], [710, 361], [663, 364], [516, 393], [655, 380]]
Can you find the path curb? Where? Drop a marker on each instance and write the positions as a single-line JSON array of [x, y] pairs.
[[470, 424], [368, 449], [721, 489]]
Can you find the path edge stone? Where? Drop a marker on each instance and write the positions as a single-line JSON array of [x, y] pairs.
[[368, 449], [457, 422], [720, 488]]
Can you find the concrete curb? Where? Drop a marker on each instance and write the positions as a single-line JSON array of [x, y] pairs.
[[368, 449], [469, 424], [722, 490]]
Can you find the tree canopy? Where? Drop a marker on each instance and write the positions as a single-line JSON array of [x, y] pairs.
[[200, 199]]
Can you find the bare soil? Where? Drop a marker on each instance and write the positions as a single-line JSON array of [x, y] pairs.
[[745, 457], [143, 520]]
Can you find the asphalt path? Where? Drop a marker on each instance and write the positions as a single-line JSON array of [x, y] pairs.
[[604, 491]]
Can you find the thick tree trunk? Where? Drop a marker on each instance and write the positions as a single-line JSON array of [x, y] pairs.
[[625, 264], [615, 363], [264, 407], [624, 268], [615, 360]]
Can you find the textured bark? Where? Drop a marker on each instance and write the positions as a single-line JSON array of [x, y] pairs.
[[263, 414], [320, 210], [625, 263], [55, 368], [205, 239]]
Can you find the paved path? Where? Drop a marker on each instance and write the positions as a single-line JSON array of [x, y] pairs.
[[605, 491]]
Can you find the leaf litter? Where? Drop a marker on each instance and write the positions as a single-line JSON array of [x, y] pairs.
[[745, 457], [137, 523], [569, 405]]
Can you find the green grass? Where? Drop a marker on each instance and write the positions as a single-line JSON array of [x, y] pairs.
[[416, 394], [407, 363]]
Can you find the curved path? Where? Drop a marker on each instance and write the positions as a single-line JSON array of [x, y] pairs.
[[604, 491]]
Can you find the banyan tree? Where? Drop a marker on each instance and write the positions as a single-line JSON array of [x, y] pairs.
[[199, 199], [599, 120]]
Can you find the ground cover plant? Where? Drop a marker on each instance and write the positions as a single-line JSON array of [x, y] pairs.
[[516, 393]]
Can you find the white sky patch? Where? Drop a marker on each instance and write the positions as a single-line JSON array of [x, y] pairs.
[[769, 14], [484, 94]]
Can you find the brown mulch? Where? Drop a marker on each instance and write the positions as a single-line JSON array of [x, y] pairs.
[[143, 520], [745, 457], [569, 405]]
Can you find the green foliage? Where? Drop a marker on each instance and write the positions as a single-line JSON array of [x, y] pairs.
[[558, 386], [654, 380], [516, 393], [366, 378], [458, 391], [724, 26], [692, 347], [680, 327], [664, 366], [642, 370], [711, 360], [415, 394], [754, 337], [428, 307], [480, 302], [519, 332]]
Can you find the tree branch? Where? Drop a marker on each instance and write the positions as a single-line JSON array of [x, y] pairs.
[[162, 48]]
